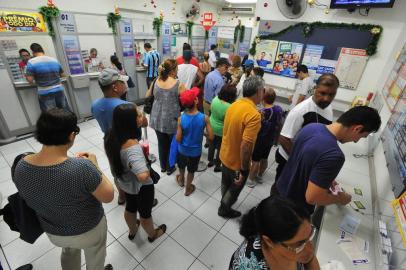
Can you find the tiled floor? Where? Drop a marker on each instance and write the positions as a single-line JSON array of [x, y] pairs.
[[197, 238]]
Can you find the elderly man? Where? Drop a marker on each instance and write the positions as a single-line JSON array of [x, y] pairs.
[[241, 126]]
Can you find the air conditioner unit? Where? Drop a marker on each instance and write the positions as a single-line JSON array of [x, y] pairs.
[[238, 10]]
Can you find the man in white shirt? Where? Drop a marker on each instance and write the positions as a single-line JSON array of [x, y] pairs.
[[187, 72], [303, 88], [316, 109], [212, 56]]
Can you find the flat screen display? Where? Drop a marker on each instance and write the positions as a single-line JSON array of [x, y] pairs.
[[361, 3]]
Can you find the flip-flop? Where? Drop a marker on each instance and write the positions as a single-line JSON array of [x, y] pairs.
[[161, 227], [192, 189], [179, 182]]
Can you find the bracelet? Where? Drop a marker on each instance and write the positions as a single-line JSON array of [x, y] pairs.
[[244, 173]]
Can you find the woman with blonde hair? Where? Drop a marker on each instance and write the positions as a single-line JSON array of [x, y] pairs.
[[235, 69], [165, 109]]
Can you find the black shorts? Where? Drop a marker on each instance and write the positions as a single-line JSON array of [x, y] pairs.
[[141, 202], [261, 151], [190, 162]]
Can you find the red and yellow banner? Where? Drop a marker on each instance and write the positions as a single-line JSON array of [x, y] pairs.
[[11, 21]]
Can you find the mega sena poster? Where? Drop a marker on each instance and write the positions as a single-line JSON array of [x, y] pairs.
[[287, 58], [21, 22], [266, 53]]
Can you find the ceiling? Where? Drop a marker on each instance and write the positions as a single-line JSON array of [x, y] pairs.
[[220, 2]]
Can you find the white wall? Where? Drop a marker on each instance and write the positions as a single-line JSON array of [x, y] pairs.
[[392, 20]]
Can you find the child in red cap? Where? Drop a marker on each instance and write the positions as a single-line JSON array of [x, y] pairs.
[[189, 135]]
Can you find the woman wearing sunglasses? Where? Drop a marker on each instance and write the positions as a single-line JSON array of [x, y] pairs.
[[278, 236]]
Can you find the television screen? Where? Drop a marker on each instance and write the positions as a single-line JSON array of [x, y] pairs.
[[361, 3]]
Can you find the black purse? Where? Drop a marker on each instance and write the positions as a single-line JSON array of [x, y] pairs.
[[152, 173], [149, 101], [130, 82]]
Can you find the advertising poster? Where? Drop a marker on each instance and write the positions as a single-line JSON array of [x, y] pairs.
[[73, 54], [226, 33], [127, 44], [243, 49], [166, 45], [287, 58], [311, 58], [11, 21], [178, 29], [266, 53], [350, 67], [325, 66]]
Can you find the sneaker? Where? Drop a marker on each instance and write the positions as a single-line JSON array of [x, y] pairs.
[[210, 164], [25, 267], [229, 214], [108, 267], [251, 183], [171, 170]]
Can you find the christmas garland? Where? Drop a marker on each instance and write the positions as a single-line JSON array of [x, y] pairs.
[[239, 29], [242, 33], [112, 20], [157, 24], [307, 30], [206, 35], [49, 12], [189, 25]]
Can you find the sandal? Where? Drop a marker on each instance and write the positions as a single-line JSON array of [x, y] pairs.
[[181, 184], [132, 236], [162, 228], [192, 189]]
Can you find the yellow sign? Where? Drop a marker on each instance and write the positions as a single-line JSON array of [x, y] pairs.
[[11, 21], [399, 208]]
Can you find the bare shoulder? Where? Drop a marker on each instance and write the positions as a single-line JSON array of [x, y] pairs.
[[129, 143]]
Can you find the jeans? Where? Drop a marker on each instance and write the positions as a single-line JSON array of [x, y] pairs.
[[281, 164], [53, 100], [92, 242], [164, 145], [213, 146], [149, 81], [229, 190]]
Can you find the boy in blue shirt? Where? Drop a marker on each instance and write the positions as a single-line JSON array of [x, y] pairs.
[[190, 136]]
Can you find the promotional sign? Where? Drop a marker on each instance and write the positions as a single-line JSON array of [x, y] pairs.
[[287, 58], [350, 67], [311, 58], [225, 32], [67, 23], [208, 21], [11, 21], [166, 45], [73, 54], [127, 44], [266, 53]]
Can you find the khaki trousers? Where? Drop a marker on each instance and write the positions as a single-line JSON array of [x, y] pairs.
[[92, 242]]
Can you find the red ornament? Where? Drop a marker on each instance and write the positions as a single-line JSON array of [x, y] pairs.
[[265, 4]]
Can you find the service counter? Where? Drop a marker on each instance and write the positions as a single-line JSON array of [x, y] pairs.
[[142, 82], [355, 173]]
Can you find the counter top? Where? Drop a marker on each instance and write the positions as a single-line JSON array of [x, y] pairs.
[[140, 68], [25, 84], [355, 173]]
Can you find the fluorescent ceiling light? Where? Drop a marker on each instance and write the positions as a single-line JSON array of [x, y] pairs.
[[242, 1]]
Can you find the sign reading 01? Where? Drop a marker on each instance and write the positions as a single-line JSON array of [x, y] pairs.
[[11, 21]]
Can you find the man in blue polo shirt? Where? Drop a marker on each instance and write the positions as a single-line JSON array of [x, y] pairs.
[[152, 60], [316, 159], [47, 73]]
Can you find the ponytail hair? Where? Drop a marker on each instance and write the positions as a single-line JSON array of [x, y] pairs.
[[166, 68], [276, 217]]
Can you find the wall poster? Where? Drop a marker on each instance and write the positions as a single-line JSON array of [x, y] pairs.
[[350, 67], [266, 53], [11, 21], [311, 58], [287, 59]]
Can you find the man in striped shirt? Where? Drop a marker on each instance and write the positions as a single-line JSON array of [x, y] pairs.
[[152, 59], [47, 73]]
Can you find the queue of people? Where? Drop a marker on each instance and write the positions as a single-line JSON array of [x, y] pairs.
[[278, 232]]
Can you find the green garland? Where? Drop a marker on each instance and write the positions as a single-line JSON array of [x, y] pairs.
[[189, 25], [239, 29], [49, 12], [307, 29], [112, 20], [206, 35], [156, 25], [242, 33]]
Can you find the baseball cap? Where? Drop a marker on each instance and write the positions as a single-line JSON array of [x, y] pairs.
[[108, 76], [188, 97], [249, 63]]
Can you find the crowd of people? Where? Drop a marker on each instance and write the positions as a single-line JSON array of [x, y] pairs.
[[220, 104]]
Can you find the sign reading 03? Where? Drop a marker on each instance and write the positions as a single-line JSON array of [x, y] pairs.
[[11, 21]]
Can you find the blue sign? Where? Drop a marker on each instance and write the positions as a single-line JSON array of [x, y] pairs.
[[73, 54], [127, 44], [126, 27], [166, 45], [166, 29]]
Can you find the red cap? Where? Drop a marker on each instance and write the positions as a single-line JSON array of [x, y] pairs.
[[188, 97]]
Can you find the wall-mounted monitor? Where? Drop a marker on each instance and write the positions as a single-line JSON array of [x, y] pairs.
[[350, 4]]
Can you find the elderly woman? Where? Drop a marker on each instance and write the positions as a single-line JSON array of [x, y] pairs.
[[65, 192]]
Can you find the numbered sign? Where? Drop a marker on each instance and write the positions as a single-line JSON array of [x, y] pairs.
[[126, 27], [67, 23]]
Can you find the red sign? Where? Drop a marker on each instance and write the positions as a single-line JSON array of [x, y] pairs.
[[208, 22]]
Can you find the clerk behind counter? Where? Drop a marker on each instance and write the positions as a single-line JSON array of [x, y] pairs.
[[94, 63]]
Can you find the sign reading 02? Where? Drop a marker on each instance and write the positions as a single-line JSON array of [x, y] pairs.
[[11, 21]]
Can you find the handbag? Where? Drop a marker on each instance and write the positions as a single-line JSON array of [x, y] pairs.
[[152, 173], [130, 82], [148, 102]]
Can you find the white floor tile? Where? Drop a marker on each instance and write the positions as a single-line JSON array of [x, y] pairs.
[[80, 146], [5, 174], [19, 252], [208, 182], [261, 191], [50, 260], [231, 231], [208, 213], [168, 186], [140, 247], [193, 235], [116, 223], [248, 203], [10, 157], [171, 214], [90, 132], [139, 267], [161, 199], [3, 261], [218, 253], [169, 255], [3, 163], [192, 202], [119, 257], [112, 205], [197, 265], [14, 147], [96, 139], [7, 235], [7, 188]]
